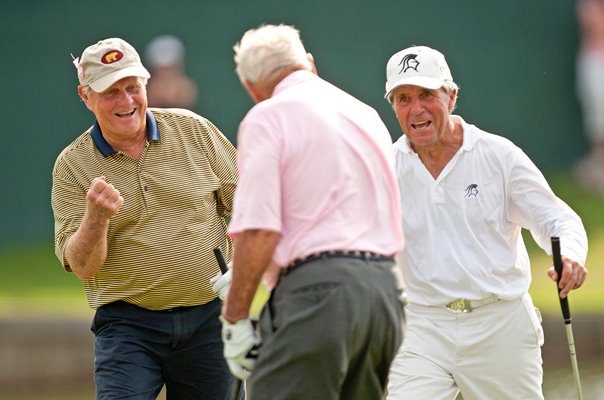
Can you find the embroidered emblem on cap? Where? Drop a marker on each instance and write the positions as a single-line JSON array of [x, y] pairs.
[[112, 56], [409, 61]]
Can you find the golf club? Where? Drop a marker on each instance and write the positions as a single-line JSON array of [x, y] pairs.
[[237, 387], [566, 314]]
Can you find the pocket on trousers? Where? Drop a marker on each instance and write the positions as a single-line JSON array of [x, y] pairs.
[[303, 299], [535, 317], [100, 321], [266, 317]]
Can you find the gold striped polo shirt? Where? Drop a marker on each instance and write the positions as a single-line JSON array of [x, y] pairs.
[[177, 199]]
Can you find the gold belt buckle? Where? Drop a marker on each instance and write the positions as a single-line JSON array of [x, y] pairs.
[[460, 305]]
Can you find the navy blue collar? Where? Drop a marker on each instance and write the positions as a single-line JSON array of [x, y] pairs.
[[106, 149]]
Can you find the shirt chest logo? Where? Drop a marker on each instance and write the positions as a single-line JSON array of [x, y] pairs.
[[472, 190]]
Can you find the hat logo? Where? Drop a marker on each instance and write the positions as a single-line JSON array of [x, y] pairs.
[[409, 62], [112, 56]]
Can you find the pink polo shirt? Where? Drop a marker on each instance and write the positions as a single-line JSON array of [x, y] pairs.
[[316, 165]]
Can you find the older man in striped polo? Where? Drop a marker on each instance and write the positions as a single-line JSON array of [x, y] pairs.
[[140, 201]]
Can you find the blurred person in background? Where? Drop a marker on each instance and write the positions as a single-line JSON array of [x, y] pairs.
[[466, 195], [169, 86], [590, 90], [140, 201]]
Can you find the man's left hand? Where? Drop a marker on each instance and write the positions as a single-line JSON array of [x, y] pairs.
[[221, 283], [573, 276]]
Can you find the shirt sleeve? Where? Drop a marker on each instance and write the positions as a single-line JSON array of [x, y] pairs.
[[258, 196], [68, 200], [534, 206]]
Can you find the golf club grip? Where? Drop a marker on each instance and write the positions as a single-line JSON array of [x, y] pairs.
[[237, 386], [221, 262], [558, 267]]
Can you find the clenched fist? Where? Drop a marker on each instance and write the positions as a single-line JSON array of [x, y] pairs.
[[103, 199]]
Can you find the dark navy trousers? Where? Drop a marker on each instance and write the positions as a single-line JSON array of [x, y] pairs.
[[137, 351]]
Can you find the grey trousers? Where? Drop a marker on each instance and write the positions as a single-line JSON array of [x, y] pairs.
[[330, 331]]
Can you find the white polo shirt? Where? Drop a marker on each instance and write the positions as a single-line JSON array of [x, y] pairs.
[[463, 229]]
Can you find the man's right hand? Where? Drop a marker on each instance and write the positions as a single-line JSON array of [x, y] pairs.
[[86, 250], [241, 344], [102, 199]]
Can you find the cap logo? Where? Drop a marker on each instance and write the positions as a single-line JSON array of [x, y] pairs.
[[112, 56], [409, 61]]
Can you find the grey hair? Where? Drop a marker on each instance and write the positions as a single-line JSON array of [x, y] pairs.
[[449, 87], [267, 50]]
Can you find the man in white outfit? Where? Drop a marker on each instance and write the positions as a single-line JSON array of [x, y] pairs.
[[466, 194]]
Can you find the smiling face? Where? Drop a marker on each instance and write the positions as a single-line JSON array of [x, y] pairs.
[[423, 114], [120, 110]]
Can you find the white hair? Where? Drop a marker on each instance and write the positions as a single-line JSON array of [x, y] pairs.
[[449, 87], [267, 50]]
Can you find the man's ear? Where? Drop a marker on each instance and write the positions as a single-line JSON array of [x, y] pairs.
[[254, 91], [311, 59], [452, 100], [84, 96]]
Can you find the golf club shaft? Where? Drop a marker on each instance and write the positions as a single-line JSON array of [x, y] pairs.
[[557, 256], [573, 359], [237, 387]]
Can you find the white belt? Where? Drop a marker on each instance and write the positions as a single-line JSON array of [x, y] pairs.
[[465, 305]]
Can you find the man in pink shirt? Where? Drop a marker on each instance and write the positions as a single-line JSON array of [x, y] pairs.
[[318, 202]]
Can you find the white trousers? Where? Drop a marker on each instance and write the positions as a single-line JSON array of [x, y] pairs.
[[493, 352]]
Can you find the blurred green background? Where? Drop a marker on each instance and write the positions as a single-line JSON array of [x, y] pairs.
[[514, 61]]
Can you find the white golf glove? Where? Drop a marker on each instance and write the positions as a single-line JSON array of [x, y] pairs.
[[241, 344], [222, 283]]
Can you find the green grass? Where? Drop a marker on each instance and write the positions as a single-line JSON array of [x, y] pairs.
[[34, 283]]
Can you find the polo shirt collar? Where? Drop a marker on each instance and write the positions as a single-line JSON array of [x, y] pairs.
[[469, 135], [293, 79], [106, 149]]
